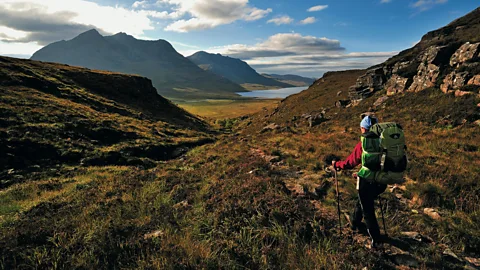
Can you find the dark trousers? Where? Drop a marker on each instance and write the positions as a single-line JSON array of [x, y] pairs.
[[365, 207]]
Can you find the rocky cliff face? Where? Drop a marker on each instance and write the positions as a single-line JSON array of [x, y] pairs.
[[453, 71], [447, 58]]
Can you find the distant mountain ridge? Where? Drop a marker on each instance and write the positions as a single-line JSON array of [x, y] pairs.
[[172, 74], [291, 79], [233, 69]]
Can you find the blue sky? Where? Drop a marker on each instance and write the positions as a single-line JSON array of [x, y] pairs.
[[306, 37]]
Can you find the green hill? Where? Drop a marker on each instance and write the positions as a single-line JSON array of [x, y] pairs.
[[54, 115]]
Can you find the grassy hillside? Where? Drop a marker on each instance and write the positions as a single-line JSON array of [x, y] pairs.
[[258, 199], [54, 116], [110, 184]]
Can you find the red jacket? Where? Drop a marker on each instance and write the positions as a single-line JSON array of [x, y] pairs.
[[354, 159]]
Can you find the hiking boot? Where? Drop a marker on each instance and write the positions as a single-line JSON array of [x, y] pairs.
[[359, 227], [373, 245], [383, 239]]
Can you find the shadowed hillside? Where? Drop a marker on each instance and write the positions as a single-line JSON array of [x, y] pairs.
[[172, 74], [291, 79], [53, 114], [233, 69]]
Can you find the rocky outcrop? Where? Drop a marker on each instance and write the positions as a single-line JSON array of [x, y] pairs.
[[454, 81], [399, 66], [461, 65], [396, 84], [315, 118], [426, 77], [380, 101], [342, 103], [467, 52], [270, 127], [429, 68], [367, 84], [475, 80]]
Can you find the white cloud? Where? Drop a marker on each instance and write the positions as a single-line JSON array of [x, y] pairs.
[[281, 20], [308, 20], [283, 44], [140, 4], [46, 16], [40, 22], [12, 48], [293, 53], [423, 5], [317, 8], [385, 1], [206, 14]]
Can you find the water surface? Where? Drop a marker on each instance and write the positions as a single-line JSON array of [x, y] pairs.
[[274, 93]]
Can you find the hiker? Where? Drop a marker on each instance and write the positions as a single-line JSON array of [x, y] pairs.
[[368, 188]]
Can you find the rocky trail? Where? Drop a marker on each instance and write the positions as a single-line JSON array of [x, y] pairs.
[[403, 249]]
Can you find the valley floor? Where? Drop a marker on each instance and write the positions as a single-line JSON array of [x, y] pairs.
[[217, 109], [258, 198]]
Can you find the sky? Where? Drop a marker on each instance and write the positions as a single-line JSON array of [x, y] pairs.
[[303, 37]]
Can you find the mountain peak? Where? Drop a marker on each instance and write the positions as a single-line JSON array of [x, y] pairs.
[[122, 34], [90, 34]]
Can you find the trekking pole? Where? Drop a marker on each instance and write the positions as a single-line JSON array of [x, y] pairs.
[[383, 217], [338, 202]]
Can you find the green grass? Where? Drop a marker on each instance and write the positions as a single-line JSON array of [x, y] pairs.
[[222, 206], [222, 109]]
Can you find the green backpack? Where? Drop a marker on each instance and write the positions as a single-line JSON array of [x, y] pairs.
[[394, 159]]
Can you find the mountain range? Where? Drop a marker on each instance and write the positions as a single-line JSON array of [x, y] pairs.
[[233, 69], [172, 74], [291, 79], [201, 75]]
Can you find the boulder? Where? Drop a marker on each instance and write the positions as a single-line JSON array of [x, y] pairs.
[[449, 255], [270, 127], [475, 80], [314, 118], [182, 204], [367, 84], [342, 103], [380, 101], [396, 84], [400, 65], [426, 77], [437, 55], [432, 213], [429, 68], [153, 234], [296, 188], [474, 261], [460, 93], [464, 54], [373, 78], [454, 81], [417, 237]]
